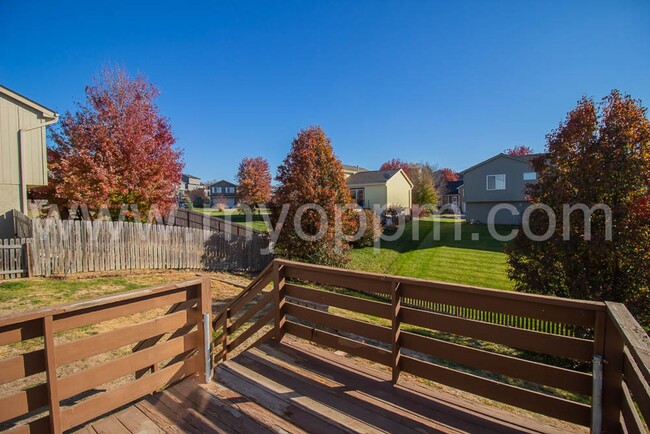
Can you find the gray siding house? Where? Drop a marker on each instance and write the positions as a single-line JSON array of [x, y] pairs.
[[23, 153], [500, 179], [223, 193]]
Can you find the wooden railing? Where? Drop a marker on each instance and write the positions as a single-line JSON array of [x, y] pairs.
[[43, 393], [550, 374]]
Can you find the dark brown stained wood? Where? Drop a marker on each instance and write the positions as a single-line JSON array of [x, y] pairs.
[[612, 376], [360, 417], [22, 366], [522, 398], [62, 309], [96, 406], [535, 372], [248, 296], [217, 411], [37, 426], [23, 402], [95, 315], [331, 340], [631, 419], [636, 384], [396, 307], [336, 277], [103, 342], [136, 422], [251, 330], [162, 416], [434, 285], [252, 311], [21, 331], [341, 324], [279, 281], [544, 309], [205, 320], [87, 379], [180, 410], [110, 425], [52, 379], [355, 304], [633, 335], [575, 348]]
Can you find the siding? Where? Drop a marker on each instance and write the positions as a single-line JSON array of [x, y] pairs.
[[374, 195], [475, 181], [399, 191]]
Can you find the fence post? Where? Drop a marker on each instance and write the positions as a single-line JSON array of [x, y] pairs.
[[226, 338], [395, 317], [205, 329], [612, 375], [52, 380], [29, 267], [278, 287]]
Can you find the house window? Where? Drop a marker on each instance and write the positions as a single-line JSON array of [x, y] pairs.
[[230, 189], [530, 176], [217, 189], [357, 196], [496, 182]]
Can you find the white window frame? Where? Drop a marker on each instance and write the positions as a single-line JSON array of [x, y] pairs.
[[487, 182], [534, 178]]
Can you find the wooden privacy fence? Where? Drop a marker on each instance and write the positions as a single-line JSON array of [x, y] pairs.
[[598, 379], [197, 220], [73, 246], [15, 258], [171, 344]]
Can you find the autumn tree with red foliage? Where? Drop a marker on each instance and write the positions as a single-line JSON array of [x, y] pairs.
[[519, 151], [254, 182], [599, 155], [115, 149], [448, 175], [310, 174], [396, 164]]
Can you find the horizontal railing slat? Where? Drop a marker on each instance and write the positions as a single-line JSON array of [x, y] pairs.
[[20, 331], [36, 426], [341, 301], [539, 373], [103, 342], [562, 346], [251, 330], [356, 348], [22, 366], [631, 419], [636, 384], [529, 400], [339, 323], [74, 384], [340, 278], [105, 402], [252, 311], [23, 402]]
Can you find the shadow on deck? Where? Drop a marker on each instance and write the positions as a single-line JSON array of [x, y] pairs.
[[297, 387]]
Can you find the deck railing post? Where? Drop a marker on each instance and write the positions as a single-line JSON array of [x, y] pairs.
[[278, 287], [612, 376], [395, 317], [226, 338], [205, 329], [51, 377]]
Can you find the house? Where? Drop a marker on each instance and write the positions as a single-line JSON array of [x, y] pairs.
[[351, 170], [453, 197], [498, 180], [188, 183], [23, 153], [382, 188], [223, 193]]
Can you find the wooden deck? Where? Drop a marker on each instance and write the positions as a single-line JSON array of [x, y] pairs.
[[297, 387]]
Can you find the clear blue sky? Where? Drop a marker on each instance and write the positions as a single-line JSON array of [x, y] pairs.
[[447, 82]]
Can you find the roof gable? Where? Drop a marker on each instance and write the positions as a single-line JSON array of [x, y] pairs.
[[46, 112], [223, 183], [520, 159]]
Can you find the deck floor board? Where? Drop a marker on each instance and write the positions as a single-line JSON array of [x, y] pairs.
[[296, 387]]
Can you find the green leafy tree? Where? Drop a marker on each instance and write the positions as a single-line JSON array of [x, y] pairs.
[[310, 174], [599, 155]]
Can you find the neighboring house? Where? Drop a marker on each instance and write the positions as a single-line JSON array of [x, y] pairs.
[[453, 197], [500, 179], [372, 188], [23, 153], [351, 170], [223, 193], [188, 183]]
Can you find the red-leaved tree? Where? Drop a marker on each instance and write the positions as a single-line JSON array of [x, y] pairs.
[[310, 174], [519, 151], [115, 149], [448, 175], [396, 164], [254, 181]]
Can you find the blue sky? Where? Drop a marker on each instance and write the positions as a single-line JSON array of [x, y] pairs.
[[451, 83]]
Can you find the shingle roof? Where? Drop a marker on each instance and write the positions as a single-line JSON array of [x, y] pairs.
[[452, 187], [371, 177], [350, 168]]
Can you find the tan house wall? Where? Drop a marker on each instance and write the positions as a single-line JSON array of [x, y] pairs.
[[399, 191], [375, 195]]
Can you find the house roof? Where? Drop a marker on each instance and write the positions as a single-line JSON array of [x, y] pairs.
[[223, 182], [190, 176], [521, 158], [453, 186], [349, 168], [374, 177], [47, 113]]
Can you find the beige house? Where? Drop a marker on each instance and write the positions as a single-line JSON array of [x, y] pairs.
[[381, 188], [23, 153], [351, 170]]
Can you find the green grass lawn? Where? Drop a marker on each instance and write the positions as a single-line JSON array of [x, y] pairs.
[[237, 217], [478, 263]]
